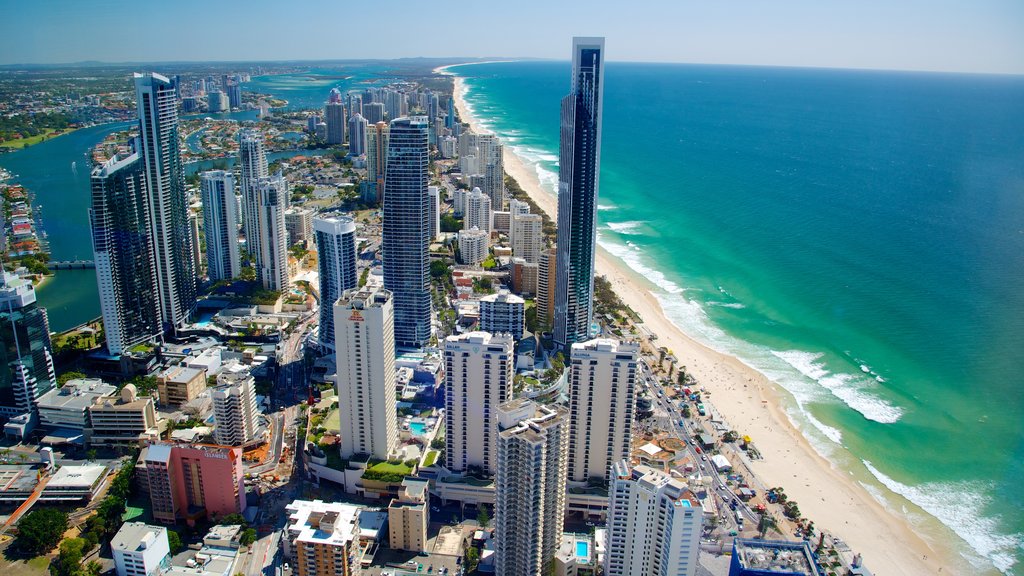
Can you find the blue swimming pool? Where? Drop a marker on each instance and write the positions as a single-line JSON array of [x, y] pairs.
[[583, 549], [205, 317], [418, 428]]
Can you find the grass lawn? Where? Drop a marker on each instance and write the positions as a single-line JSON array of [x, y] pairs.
[[385, 468], [430, 459], [21, 142], [332, 421], [38, 566]]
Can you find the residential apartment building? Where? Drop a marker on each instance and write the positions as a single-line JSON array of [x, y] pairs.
[[409, 516], [503, 312], [193, 481]]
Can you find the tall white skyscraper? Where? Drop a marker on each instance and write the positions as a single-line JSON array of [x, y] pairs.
[[602, 392], [220, 224], [405, 234], [357, 135], [434, 212], [654, 524], [252, 162], [578, 175], [530, 486], [478, 378], [478, 211], [365, 350], [273, 234], [336, 258], [234, 408], [503, 312], [527, 236], [166, 198], [123, 251]]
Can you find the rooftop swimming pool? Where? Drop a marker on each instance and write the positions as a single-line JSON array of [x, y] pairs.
[[583, 549], [418, 428]]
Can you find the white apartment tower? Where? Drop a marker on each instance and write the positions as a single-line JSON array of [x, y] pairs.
[[479, 368], [252, 162], [527, 236], [273, 234], [336, 258], [234, 408], [654, 524], [503, 312], [473, 245], [530, 486], [433, 212], [140, 549], [364, 328], [220, 225], [602, 391], [478, 211]]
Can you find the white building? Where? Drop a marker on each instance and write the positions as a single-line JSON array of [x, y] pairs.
[[479, 368], [478, 211], [273, 235], [252, 162], [220, 225], [68, 406], [299, 224], [473, 246], [654, 524], [329, 538], [234, 407], [503, 312], [365, 351], [602, 390], [123, 419], [140, 549], [530, 488], [527, 236], [336, 259], [433, 212]]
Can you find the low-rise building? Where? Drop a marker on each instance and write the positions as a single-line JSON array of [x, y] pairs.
[[409, 516], [329, 538], [140, 549], [576, 556], [124, 419], [67, 407], [178, 385], [766, 557]]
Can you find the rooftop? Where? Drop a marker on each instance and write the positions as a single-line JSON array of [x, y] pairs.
[[319, 522], [77, 394], [77, 476], [136, 536], [775, 556]]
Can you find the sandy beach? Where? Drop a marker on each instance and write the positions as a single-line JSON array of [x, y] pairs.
[[752, 404]]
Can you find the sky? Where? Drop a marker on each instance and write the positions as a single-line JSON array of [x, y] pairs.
[[939, 35]]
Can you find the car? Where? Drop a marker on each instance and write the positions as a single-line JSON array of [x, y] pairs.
[[703, 456]]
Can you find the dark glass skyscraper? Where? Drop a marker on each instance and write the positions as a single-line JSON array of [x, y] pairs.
[[406, 231], [168, 204], [122, 246], [25, 351], [336, 257], [578, 172]]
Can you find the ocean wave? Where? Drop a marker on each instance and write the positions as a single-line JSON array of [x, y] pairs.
[[634, 260], [958, 505], [853, 391], [630, 227], [606, 207], [733, 305]]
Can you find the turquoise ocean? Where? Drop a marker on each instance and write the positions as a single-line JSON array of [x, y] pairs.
[[857, 236]]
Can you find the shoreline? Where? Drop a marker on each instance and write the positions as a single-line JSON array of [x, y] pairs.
[[829, 496]]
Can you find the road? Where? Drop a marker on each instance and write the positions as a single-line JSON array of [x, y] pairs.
[[260, 556]]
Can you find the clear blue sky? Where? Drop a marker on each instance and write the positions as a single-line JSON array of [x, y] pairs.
[[954, 35]]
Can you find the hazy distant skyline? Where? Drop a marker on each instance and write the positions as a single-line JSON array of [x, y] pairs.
[[936, 35]]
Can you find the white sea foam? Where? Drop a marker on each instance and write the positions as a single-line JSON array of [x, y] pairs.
[[853, 391], [605, 207], [960, 505], [631, 227], [733, 305]]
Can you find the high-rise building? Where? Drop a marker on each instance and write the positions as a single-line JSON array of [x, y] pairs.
[[140, 550], [252, 161], [478, 379], [299, 224], [218, 102], [449, 118], [473, 246], [377, 156], [578, 175], [336, 258], [433, 212], [405, 235], [220, 224], [490, 158], [409, 516], [168, 202], [123, 252], [373, 112], [323, 538], [654, 524], [334, 116], [357, 135], [395, 104], [235, 95], [478, 211], [530, 488], [234, 408], [178, 385], [273, 235], [527, 236], [193, 481], [365, 350], [26, 351], [503, 312], [602, 391], [546, 272]]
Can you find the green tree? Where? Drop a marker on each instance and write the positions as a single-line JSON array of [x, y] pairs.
[[439, 269], [472, 559], [449, 223], [65, 377], [248, 537], [69, 561], [483, 517], [174, 540], [40, 530], [232, 519]]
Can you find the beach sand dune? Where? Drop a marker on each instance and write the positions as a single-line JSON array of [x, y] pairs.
[[750, 403]]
